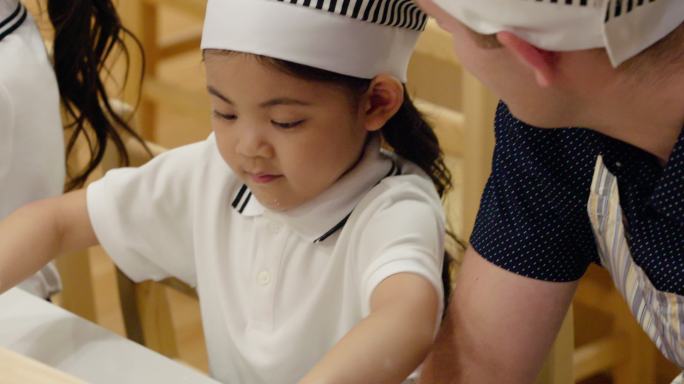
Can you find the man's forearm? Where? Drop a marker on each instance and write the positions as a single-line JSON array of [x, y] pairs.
[[499, 326]]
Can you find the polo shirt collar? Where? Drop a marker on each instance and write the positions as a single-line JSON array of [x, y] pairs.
[[12, 15], [321, 217], [668, 195]]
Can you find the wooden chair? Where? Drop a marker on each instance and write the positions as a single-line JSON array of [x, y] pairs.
[[462, 111], [624, 352], [142, 18], [146, 310]]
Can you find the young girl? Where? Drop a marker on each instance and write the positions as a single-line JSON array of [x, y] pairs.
[[317, 256], [32, 154]]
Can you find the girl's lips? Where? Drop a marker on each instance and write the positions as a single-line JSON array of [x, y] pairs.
[[263, 178]]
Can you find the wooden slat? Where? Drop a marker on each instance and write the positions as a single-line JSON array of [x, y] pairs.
[[479, 107], [436, 43], [180, 43], [78, 291], [448, 125], [16, 368], [192, 7], [599, 356], [594, 295], [174, 97], [558, 367]]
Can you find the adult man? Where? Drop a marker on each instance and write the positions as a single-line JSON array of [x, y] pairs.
[[559, 199]]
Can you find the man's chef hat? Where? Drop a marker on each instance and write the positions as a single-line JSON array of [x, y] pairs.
[[360, 38], [623, 27]]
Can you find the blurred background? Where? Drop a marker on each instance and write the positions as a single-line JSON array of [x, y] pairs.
[[600, 343]]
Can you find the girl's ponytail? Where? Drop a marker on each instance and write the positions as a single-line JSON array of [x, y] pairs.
[[412, 138], [86, 33]]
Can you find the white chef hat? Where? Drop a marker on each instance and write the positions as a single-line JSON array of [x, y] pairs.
[[623, 27], [360, 38]]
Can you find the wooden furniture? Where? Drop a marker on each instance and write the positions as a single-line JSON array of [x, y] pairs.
[[142, 18], [16, 368], [147, 315], [52, 336], [464, 123], [625, 352]]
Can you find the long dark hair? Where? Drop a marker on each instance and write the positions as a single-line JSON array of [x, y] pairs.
[[407, 133], [86, 34]]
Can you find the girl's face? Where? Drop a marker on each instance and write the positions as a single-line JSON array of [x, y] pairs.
[[287, 138]]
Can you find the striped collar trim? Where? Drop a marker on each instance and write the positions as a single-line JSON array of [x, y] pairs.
[[9, 23], [327, 213]]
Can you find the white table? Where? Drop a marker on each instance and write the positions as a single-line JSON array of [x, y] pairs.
[[55, 337]]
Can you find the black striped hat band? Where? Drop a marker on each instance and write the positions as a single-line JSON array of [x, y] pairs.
[[394, 13], [13, 21]]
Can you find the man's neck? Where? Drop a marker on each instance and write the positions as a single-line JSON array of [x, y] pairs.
[[648, 118]]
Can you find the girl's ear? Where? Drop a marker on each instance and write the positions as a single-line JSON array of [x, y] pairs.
[[539, 61], [381, 101]]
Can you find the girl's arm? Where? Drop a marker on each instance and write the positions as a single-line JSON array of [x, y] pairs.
[[391, 342], [35, 234]]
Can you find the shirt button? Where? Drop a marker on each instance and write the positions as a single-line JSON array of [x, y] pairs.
[[274, 227], [264, 278]]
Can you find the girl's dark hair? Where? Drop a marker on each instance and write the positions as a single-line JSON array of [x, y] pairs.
[[407, 133], [86, 34]]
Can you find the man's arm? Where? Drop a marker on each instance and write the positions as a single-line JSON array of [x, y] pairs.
[[35, 234], [499, 326]]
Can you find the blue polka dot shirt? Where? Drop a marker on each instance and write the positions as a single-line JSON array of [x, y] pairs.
[[533, 217]]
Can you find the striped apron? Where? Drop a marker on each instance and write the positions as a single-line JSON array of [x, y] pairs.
[[661, 314]]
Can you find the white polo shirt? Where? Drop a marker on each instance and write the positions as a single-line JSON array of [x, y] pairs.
[[277, 289], [31, 138]]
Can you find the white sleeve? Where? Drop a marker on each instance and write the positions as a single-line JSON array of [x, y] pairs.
[[403, 236], [143, 216], [6, 130]]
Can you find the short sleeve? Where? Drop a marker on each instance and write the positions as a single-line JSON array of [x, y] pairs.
[[405, 235], [143, 216], [6, 130], [533, 218]]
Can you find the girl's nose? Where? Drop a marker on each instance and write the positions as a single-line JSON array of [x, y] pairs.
[[253, 143]]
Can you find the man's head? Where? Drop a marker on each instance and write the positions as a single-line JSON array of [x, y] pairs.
[[551, 61]]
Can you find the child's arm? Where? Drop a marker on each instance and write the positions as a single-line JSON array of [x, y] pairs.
[[391, 342], [35, 234]]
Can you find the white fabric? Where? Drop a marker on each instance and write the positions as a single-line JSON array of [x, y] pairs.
[[565, 27], [308, 36], [273, 301], [31, 141]]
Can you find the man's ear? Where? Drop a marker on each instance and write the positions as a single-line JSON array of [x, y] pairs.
[[543, 63], [381, 101]]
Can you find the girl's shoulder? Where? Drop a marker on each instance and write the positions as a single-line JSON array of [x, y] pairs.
[[191, 166], [25, 67], [407, 185], [407, 179]]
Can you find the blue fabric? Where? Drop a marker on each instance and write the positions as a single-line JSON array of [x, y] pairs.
[[533, 217]]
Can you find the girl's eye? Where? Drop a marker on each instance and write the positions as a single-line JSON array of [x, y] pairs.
[[288, 124], [224, 116]]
